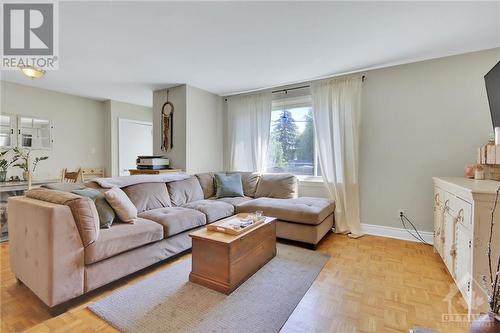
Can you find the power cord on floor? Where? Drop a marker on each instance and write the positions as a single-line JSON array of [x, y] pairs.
[[405, 220]]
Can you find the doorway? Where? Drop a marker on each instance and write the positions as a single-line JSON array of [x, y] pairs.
[[135, 138]]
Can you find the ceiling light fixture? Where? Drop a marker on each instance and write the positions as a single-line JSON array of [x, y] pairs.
[[32, 72]]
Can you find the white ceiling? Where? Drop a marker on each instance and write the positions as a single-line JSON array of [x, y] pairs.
[[125, 50]]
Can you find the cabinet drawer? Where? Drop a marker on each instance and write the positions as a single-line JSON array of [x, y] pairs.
[[459, 208], [250, 241]]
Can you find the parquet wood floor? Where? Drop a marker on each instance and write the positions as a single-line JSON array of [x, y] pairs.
[[371, 284]]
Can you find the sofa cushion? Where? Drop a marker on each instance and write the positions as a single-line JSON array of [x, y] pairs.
[[146, 196], [213, 209], [83, 210], [175, 219], [184, 191], [277, 185], [207, 183], [234, 201], [123, 207], [300, 210], [122, 237], [228, 185], [104, 210], [249, 180]]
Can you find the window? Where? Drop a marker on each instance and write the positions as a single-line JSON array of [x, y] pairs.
[[292, 143]]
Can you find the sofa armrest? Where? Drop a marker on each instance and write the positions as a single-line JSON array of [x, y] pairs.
[[46, 251]]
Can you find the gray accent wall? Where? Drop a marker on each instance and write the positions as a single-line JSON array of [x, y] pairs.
[[420, 120]]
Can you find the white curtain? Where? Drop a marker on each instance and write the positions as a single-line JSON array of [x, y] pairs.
[[248, 128], [337, 118]]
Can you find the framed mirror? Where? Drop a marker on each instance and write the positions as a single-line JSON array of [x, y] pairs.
[[34, 133], [7, 124]]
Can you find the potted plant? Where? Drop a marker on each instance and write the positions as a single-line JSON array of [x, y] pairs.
[[24, 156], [5, 164]]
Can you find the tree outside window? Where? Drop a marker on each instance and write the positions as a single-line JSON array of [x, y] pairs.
[[292, 144]]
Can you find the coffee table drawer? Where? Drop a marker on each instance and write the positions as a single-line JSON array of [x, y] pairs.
[[248, 242]]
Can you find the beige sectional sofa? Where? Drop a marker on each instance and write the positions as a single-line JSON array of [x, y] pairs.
[[58, 250]]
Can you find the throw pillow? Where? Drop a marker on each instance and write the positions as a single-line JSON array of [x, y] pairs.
[[123, 207], [147, 196], [277, 185], [184, 191], [104, 210], [228, 185]]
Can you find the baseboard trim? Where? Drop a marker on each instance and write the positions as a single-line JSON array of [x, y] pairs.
[[398, 233]]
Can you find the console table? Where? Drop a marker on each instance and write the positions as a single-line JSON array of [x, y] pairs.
[[10, 189], [152, 172], [462, 214]]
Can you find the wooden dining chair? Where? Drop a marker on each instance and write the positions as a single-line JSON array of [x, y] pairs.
[[71, 176]]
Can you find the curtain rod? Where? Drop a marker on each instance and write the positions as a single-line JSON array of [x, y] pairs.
[[302, 87], [294, 88]]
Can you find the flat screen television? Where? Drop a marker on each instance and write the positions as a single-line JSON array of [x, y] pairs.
[[492, 80]]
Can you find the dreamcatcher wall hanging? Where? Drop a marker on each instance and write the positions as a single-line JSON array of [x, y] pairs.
[[167, 126]]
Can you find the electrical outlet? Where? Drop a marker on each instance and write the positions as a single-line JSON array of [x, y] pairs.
[[401, 213]]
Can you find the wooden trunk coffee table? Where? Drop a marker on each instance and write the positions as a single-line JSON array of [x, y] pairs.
[[222, 262]]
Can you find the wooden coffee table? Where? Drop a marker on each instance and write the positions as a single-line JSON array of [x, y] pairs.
[[222, 262]]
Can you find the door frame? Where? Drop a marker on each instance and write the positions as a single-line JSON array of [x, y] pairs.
[[133, 121]]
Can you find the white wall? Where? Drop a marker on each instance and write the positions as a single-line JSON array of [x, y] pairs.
[[204, 148], [78, 132], [197, 128], [114, 111], [420, 120]]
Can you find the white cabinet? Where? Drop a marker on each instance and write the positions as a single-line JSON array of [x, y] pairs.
[[7, 128], [449, 242], [25, 132], [34, 133], [463, 249], [462, 215], [438, 221]]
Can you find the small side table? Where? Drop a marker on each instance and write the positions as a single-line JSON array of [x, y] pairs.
[[152, 172]]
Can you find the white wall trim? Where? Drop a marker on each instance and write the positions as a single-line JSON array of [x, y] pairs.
[[398, 233]]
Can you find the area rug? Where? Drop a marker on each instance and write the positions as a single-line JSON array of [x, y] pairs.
[[168, 302]]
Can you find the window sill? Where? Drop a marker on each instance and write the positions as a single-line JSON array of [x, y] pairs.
[[311, 179]]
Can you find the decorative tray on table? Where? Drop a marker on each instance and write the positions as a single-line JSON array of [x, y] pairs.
[[236, 224]]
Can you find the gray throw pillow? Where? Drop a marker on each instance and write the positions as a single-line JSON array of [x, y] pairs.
[[104, 210], [228, 185]]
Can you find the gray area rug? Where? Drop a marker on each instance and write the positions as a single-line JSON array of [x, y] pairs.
[[168, 302]]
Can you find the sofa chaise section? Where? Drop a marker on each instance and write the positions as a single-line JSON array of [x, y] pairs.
[[301, 219]]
